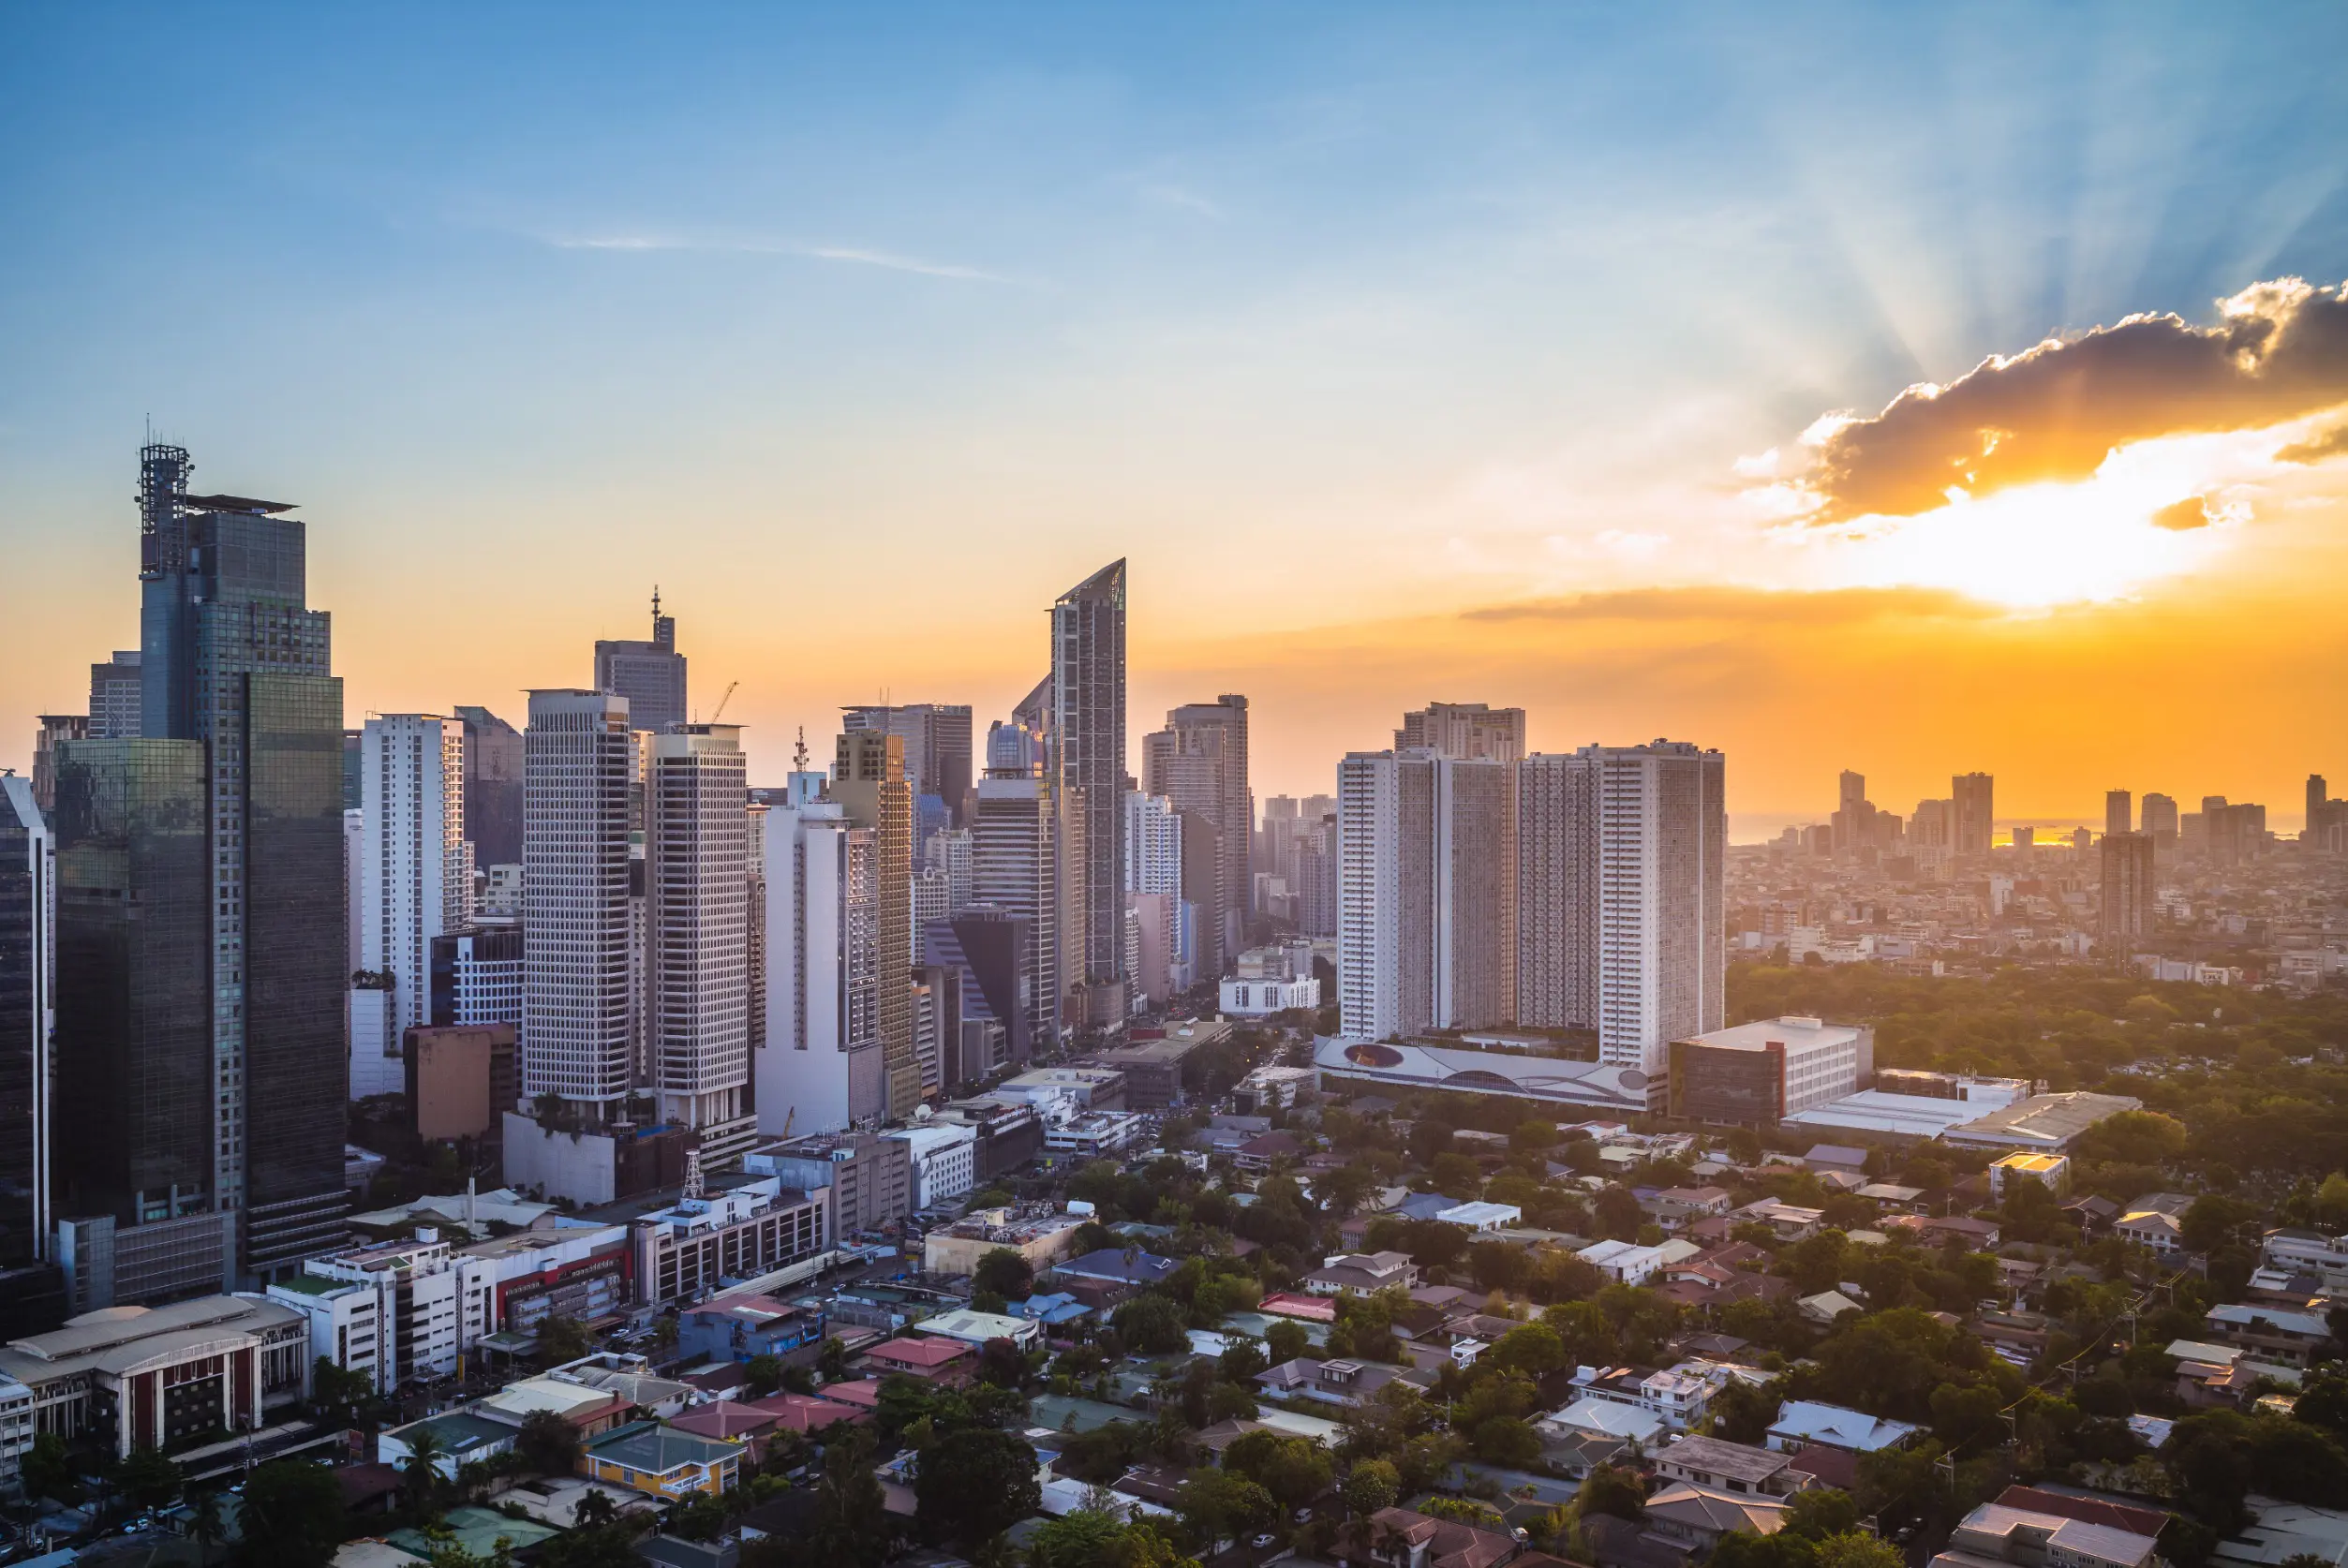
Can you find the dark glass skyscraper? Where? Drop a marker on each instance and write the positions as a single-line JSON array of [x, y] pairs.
[[1087, 776], [27, 944], [493, 787], [236, 688]]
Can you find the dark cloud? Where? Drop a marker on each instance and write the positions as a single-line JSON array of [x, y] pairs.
[[1749, 606], [2185, 514], [2332, 443], [2280, 350]]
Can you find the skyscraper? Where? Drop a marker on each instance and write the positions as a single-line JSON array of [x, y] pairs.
[[937, 737], [55, 729], [234, 662], [822, 1068], [493, 787], [115, 696], [2119, 812], [651, 675], [1480, 733], [2321, 810], [1622, 873], [1013, 871], [415, 884], [1973, 795], [579, 760], [2130, 885], [1424, 838], [2159, 818], [1198, 763], [28, 912], [1088, 773], [697, 938], [869, 782]]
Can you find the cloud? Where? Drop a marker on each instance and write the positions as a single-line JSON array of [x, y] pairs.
[[852, 254], [2278, 351], [1748, 606], [2191, 513], [2332, 443]]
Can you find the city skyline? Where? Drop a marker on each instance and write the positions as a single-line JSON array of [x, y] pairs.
[[1514, 356]]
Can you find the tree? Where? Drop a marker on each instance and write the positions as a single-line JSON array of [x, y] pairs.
[[1535, 1349], [1743, 1413], [762, 1375], [1090, 1538], [1150, 1324], [831, 1359], [1002, 1364], [1285, 1340], [48, 1471], [1370, 1486], [338, 1393], [1618, 1214], [1242, 1359], [976, 1484], [1506, 1440], [548, 1443], [2212, 1222], [561, 1340], [1003, 1271], [1217, 1506], [1820, 1512], [1292, 1470], [204, 1525], [850, 1525], [1857, 1549], [292, 1515], [420, 1476], [1614, 1492], [148, 1479]]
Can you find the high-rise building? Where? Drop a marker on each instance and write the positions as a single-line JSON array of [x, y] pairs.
[[578, 936], [415, 884], [822, 1068], [235, 665], [477, 981], [1477, 732], [937, 737], [1087, 738], [493, 787], [1154, 844], [1622, 873], [2323, 812], [869, 781], [651, 675], [2119, 812], [2159, 818], [1198, 763], [55, 729], [28, 962], [1853, 826], [1013, 871], [1418, 939], [114, 688], [1973, 797], [950, 855], [697, 936], [2130, 892]]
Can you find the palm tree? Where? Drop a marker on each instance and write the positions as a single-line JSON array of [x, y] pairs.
[[425, 1450], [595, 1511], [204, 1524]]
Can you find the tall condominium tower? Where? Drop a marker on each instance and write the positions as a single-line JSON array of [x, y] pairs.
[[1622, 892], [55, 729], [1088, 774], [1013, 871], [697, 935], [2130, 884], [415, 884], [937, 737], [237, 695], [651, 674], [1477, 732], [1421, 892], [579, 765], [1975, 804], [2118, 812], [2159, 818], [1154, 844], [869, 782], [28, 955], [821, 1069], [1198, 762], [493, 787], [115, 695]]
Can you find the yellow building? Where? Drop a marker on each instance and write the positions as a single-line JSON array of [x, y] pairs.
[[660, 1461], [2050, 1170]]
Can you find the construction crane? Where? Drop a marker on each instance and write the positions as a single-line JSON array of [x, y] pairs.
[[723, 701]]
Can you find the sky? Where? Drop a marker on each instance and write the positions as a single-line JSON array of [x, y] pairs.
[[1912, 389]]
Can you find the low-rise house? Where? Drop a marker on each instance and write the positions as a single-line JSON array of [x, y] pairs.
[[459, 1436], [1697, 1516], [1809, 1421], [1675, 1207], [2213, 1377], [805, 1412], [1677, 1396], [663, 1462], [1996, 1533], [1361, 1273], [2270, 1334], [1624, 1262], [1306, 1308], [2305, 1252], [1836, 1157], [1398, 1538], [2152, 1228], [1787, 1221], [1116, 1265], [1825, 1306], [1728, 1466], [741, 1324], [1259, 1152], [1979, 1235], [1483, 1215], [1057, 1310], [1892, 1195], [976, 1328], [932, 1359], [1344, 1382], [2093, 1215], [1585, 1417]]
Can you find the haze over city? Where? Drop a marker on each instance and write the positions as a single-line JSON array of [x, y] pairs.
[[1553, 359]]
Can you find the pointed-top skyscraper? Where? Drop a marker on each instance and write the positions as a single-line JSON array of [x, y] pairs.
[[1087, 771]]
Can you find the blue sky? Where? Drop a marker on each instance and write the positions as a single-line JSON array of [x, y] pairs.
[[822, 315]]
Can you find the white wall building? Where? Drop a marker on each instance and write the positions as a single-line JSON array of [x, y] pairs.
[[579, 760], [415, 882], [944, 1158], [697, 871], [821, 1069], [1261, 998], [1423, 893]]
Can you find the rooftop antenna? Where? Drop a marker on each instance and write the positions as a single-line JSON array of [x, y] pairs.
[[798, 752]]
